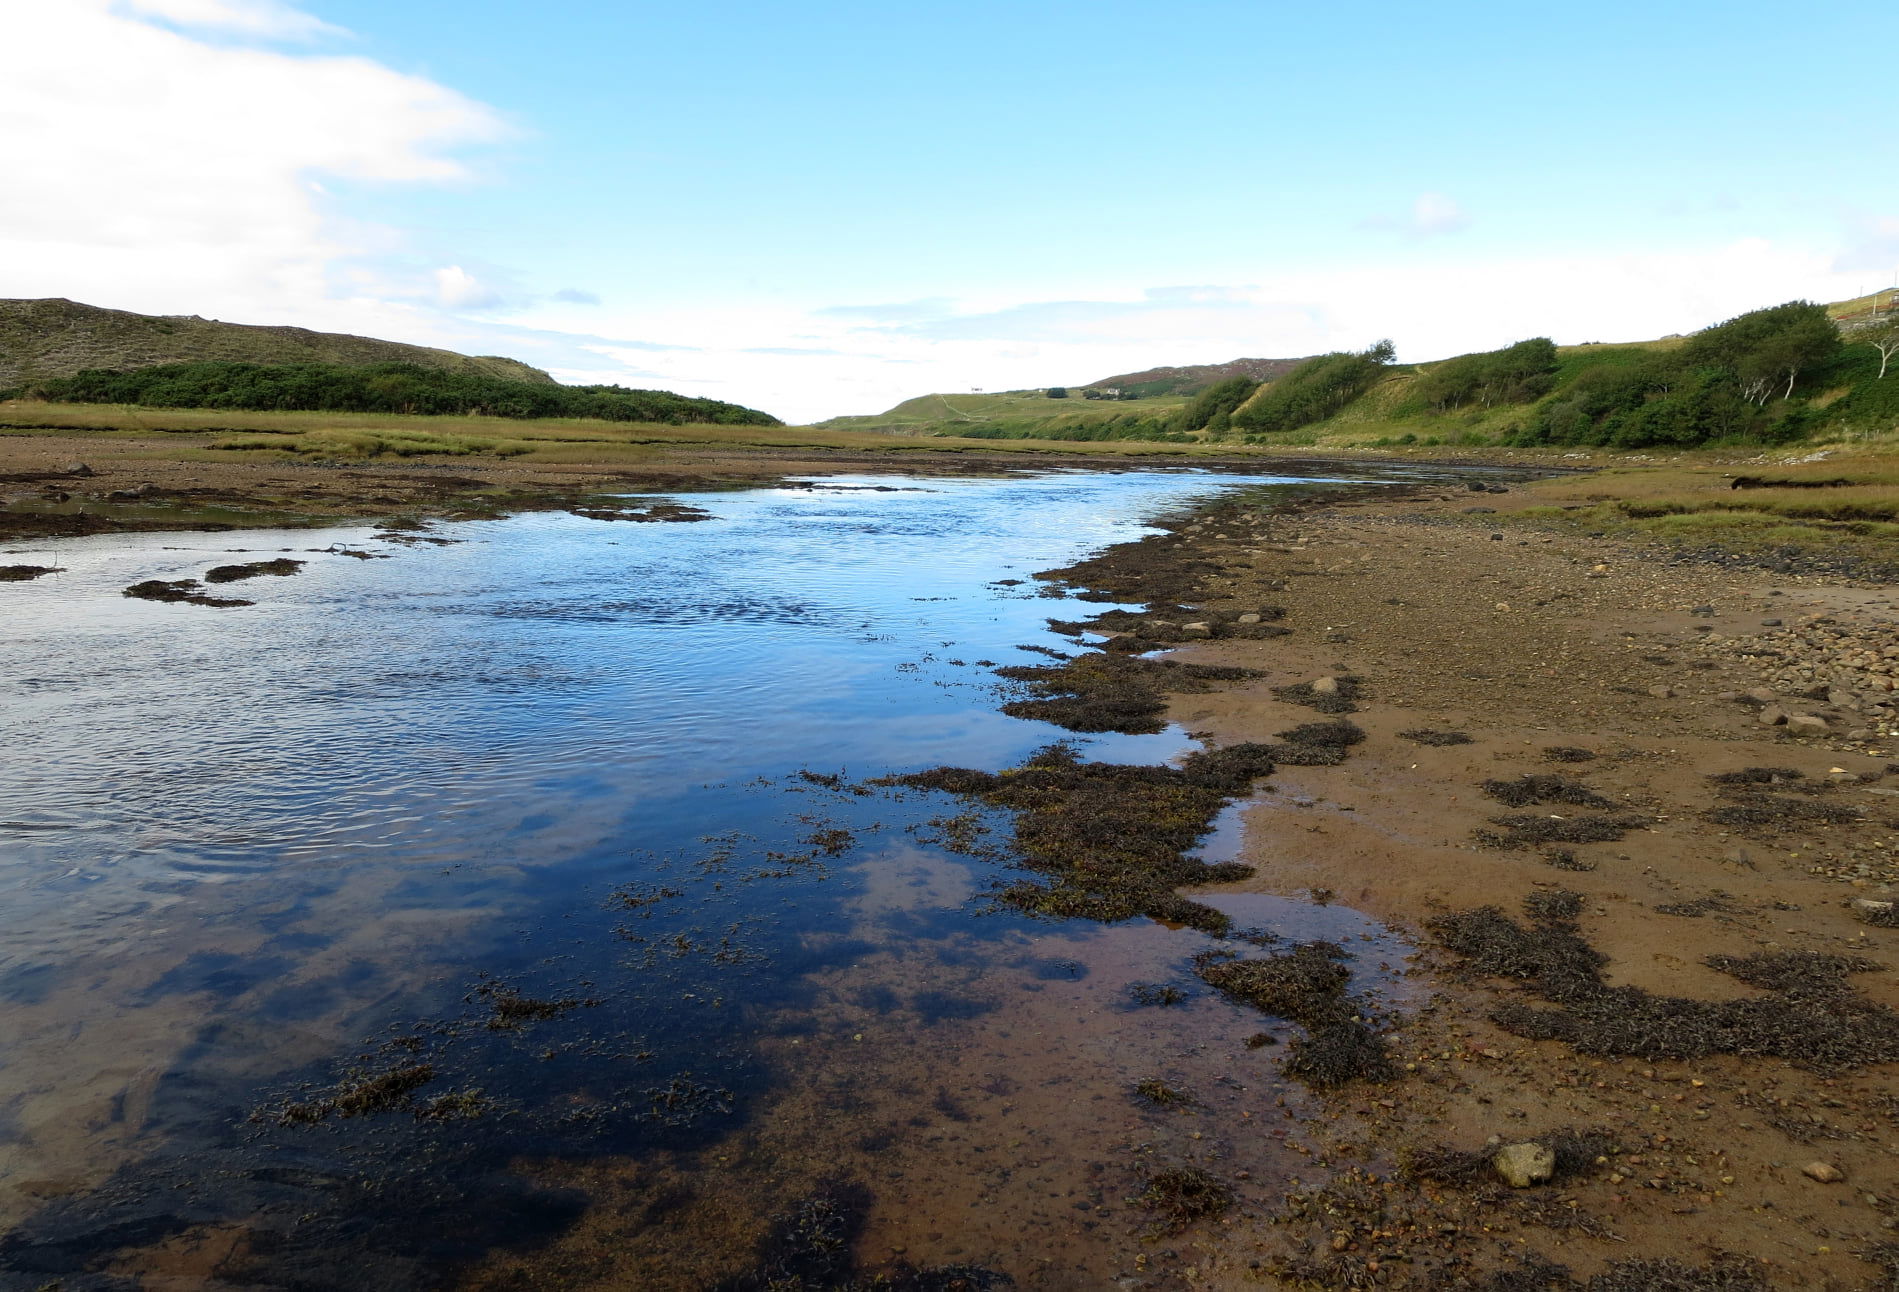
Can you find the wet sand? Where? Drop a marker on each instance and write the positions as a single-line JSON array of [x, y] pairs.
[[1529, 641]]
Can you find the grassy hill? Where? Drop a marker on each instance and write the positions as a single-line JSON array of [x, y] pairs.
[[45, 339], [1193, 378], [1730, 383]]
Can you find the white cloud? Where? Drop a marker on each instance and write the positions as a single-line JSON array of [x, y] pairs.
[[266, 19], [457, 289], [170, 174], [1432, 215]]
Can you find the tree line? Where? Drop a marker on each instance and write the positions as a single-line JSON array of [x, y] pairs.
[[381, 388]]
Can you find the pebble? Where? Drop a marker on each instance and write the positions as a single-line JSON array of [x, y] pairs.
[[1824, 1172]]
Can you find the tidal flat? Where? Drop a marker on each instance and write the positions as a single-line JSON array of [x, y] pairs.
[[1058, 881]]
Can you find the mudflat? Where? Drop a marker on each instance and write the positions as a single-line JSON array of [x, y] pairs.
[[1640, 815]]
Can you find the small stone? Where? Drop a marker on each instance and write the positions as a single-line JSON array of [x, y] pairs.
[[1522, 1165], [1496, 538], [1824, 1172], [1770, 623], [1325, 686], [1873, 910], [1704, 612], [1662, 692], [1773, 716], [1197, 630], [76, 469], [1247, 619], [1806, 723], [1860, 733]]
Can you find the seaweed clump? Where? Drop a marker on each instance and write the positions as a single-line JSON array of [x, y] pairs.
[[1112, 838], [282, 566], [1569, 754], [1308, 985], [1327, 694], [1427, 736], [1807, 1014], [179, 590], [1725, 1273], [1529, 790], [810, 1248], [1318, 744], [1530, 830], [1102, 692], [1181, 1195], [21, 573], [362, 1093]]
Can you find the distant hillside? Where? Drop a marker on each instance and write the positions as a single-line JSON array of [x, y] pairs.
[[45, 339], [1191, 379], [1775, 375]]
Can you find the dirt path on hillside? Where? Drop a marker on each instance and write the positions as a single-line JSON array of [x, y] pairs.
[[1602, 691]]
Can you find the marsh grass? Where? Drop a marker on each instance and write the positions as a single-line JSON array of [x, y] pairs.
[[349, 436]]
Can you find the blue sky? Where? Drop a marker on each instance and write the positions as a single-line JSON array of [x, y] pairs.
[[825, 208]]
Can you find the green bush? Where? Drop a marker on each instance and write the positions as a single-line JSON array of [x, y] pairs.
[[1315, 390], [1515, 374]]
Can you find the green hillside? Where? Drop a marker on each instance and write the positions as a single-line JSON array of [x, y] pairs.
[[1009, 414], [400, 388], [1777, 375], [45, 339]]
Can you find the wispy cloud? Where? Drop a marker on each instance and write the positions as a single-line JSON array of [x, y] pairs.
[[265, 19], [896, 312], [575, 296], [1169, 311]]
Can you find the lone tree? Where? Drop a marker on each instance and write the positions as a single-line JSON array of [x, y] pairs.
[[1058, 392], [1883, 337]]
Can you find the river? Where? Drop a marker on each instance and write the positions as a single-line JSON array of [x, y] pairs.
[[500, 904]]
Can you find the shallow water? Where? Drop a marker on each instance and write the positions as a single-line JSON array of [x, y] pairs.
[[253, 855]]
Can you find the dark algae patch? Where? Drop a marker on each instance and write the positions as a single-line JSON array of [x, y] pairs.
[[281, 566], [1806, 1012], [1181, 1196], [1428, 736], [1102, 692], [179, 590], [362, 1093], [1536, 829], [1310, 986], [1111, 839], [810, 1247], [21, 573], [1527, 791]]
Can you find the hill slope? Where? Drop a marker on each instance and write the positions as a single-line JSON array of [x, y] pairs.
[[1193, 378], [44, 339]]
